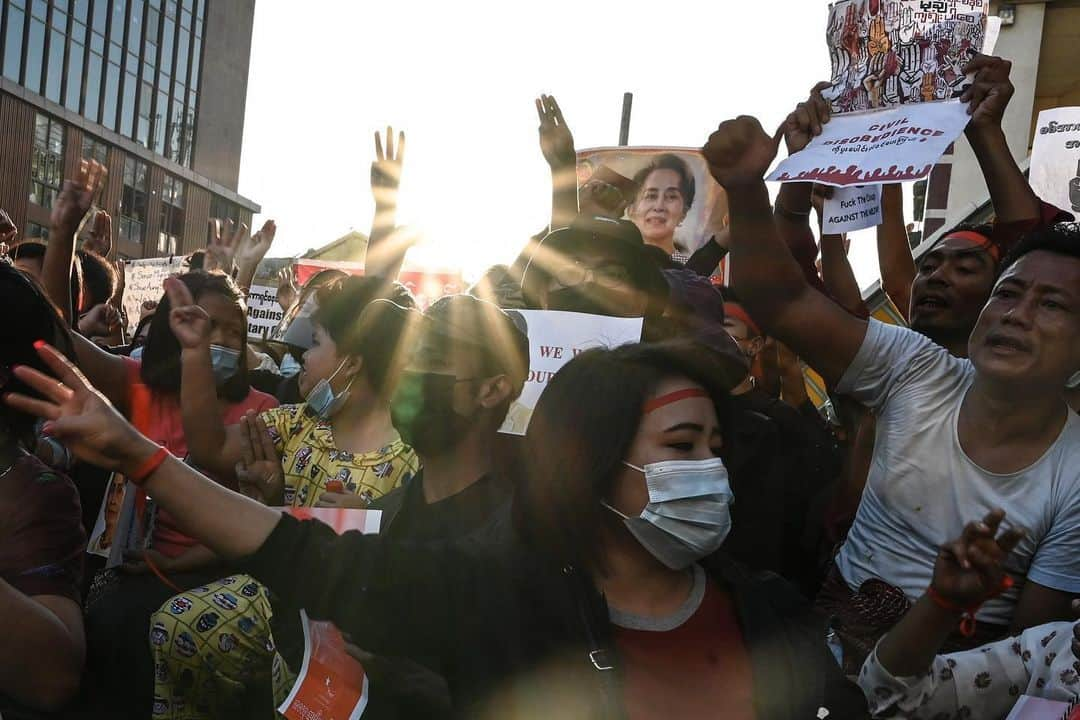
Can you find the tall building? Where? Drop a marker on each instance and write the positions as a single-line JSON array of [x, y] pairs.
[[154, 89]]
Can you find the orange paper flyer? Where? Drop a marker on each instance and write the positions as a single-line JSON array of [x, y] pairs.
[[331, 685]]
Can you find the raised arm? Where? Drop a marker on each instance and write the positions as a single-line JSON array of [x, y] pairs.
[[989, 95], [70, 210], [82, 418], [905, 670], [968, 572], [387, 244], [557, 144], [226, 238], [106, 371], [836, 270], [764, 274], [793, 201], [251, 252], [839, 277], [895, 262], [211, 445], [231, 525]]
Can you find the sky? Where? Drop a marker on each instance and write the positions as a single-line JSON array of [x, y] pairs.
[[460, 79]]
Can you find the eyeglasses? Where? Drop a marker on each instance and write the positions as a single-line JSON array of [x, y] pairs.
[[608, 276]]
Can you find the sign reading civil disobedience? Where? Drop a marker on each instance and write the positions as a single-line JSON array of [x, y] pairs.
[[874, 148]]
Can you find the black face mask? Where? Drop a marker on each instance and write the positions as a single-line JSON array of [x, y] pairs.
[[422, 411], [589, 298]]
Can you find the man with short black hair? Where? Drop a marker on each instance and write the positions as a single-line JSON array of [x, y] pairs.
[[955, 438], [470, 363]]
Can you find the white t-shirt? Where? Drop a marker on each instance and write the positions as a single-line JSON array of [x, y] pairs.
[[922, 488]]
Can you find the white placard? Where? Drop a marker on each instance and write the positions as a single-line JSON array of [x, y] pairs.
[[143, 281], [851, 208], [893, 52], [555, 337], [1055, 158], [264, 313], [874, 148], [114, 505]]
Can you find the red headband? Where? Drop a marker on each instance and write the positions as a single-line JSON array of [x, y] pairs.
[[736, 311], [673, 397], [979, 240]]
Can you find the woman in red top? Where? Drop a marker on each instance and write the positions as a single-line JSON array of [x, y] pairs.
[[628, 494], [148, 393]]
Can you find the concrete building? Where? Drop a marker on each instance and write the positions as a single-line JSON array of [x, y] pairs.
[[1042, 39], [351, 247], [154, 89]]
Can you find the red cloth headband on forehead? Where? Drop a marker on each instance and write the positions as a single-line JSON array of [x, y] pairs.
[[978, 240], [736, 311], [673, 397]]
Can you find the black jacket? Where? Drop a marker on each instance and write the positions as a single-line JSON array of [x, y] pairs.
[[514, 637], [781, 462]]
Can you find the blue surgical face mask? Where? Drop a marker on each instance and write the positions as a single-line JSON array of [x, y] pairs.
[[224, 361], [136, 354], [322, 402]]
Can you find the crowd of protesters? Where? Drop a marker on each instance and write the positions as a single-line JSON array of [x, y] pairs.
[[680, 533]]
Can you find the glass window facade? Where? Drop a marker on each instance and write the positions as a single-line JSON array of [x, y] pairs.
[[222, 209], [14, 22], [171, 234], [94, 149], [36, 232], [47, 161], [133, 201], [130, 65]]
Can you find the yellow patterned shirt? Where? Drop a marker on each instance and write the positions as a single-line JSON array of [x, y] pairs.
[[310, 459]]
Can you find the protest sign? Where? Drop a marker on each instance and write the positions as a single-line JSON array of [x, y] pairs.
[[1055, 158], [332, 685], [263, 311], [707, 212], [851, 208], [555, 337], [143, 280], [117, 499], [119, 527], [884, 146], [892, 52]]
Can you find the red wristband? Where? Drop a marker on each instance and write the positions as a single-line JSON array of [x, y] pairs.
[[967, 614], [148, 466]]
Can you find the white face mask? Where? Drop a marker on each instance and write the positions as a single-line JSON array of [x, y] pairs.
[[688, 515]]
